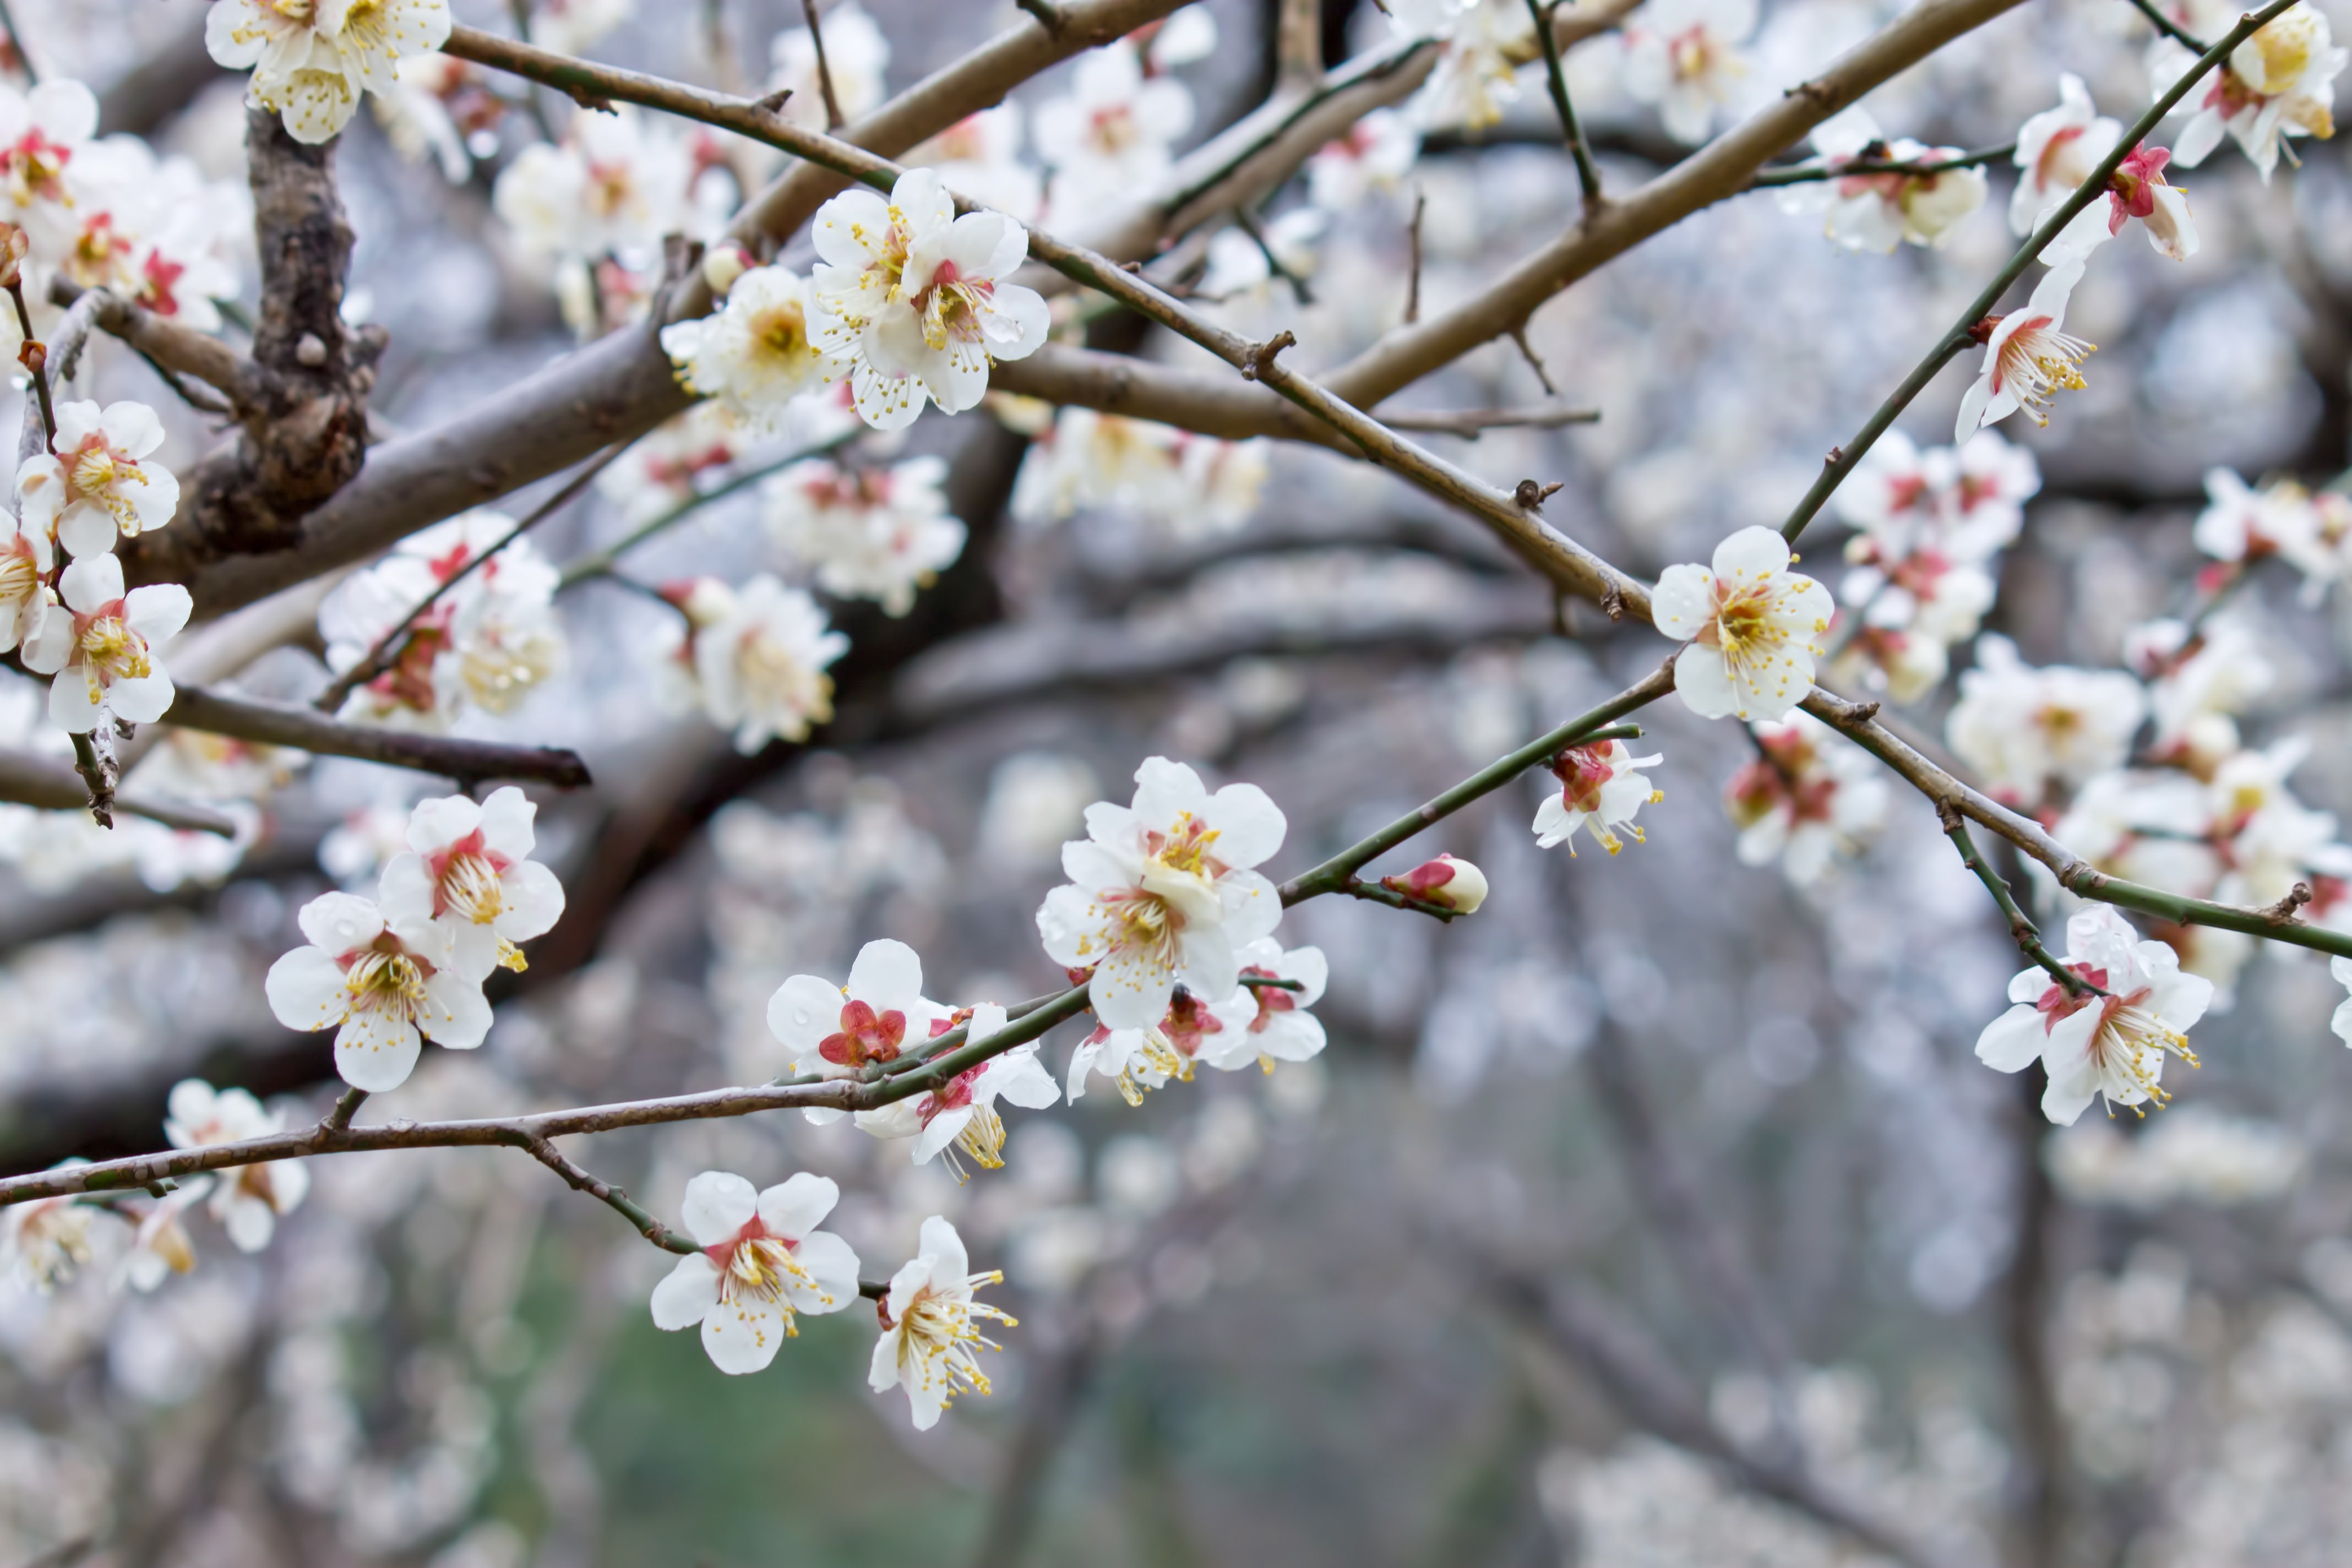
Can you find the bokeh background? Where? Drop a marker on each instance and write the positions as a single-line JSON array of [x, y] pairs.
[[1654, 1216]]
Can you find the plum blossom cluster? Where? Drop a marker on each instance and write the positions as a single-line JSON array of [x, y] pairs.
[[866, 532], [1868, 208], [1810, 799], [1930, 529], [1192, 485], [754, 659], [146, 1240], [311, 62], [480, 628], [388, 972], [105, 211]]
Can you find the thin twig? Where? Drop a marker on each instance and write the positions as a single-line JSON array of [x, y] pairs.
[[2171, 29], [600, 563], [652, 1229], [1808, 173], [1413, 244], [1273, 264], [34, 359], [1469, 423], [97, 775], [1587, 172], [24, 55], [1049, 16], [1535, 363], [833, 119], [305, 729], [1842, 460], [389, 647], [2021, 929]]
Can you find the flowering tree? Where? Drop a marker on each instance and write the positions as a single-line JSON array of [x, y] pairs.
[[883, 432]]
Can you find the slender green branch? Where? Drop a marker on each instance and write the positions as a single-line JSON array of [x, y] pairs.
[[34, 359], [2168, 28], [1842, 460], [347, 1105], [1587, 172], [652, 1229], [1335, 875], [601, 562], [388, 648], [2021, 929], [1808, 173]]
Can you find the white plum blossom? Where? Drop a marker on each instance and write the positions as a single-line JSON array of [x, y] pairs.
[[247, 1200], [763, 1260], [101, 645], [1192, 1031], [1476, 79], [1374, 156], [96, 485], [867, 532], [569, 27], [2138, 190], [1753, 628], [2093, 1045], [2057, 151], [1601, 788], [663, 470], [43, 1241], [1108, 139], [961, 1113], [1684, 56], [930, 1327], [979, 159], [25, 597], [2030, 357], [160, 1245], [379, 985], [916, 300], [42, 132], [1162, 892], [468, 868], [856, 53], [1876, 211], [838, 1031], [597, 203], [2025, 731], [754, 353], [2279, 83], [758, 657], [2197, 682], [1193, 486], [312, 59], [1810, 798], [1280, 1028]]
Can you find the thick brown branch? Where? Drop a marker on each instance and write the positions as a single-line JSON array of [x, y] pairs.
[[54, 786], [174, 347], [280, 724]]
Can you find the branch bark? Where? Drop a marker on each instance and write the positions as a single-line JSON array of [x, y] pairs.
[[468, 763]]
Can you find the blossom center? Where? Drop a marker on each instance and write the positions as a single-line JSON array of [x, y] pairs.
[[2037, 362], [390, 981], [110, 646], [865, 1036]]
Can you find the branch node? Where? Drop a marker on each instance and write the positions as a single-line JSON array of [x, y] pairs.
[[2285, 910], [1261, 355]]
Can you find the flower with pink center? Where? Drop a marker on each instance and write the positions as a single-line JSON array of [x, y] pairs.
[[1809, 798], [1753, 625], [930, 1327], [45, 1240], [2030, 357], [1280, 1028], [2057, 152], [247, 1200], [2094, 1046], [762, 1259], [96, 486], [867, 533], [1162, 892], [2279, 83], [25, 597], [1601, 789], [1877, 211], [978, 158], [102, 649], [40, 133], [916, 300], [468, 870], [961, 1113], [754, 354], [1684, 56], [2032, 734], [839, 1031], [379, 985], [1109, 138], [2136, 190]]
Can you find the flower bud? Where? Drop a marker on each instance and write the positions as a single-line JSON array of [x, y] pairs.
[[704, 601], [722, 264], [1446, 881], [13, 244]]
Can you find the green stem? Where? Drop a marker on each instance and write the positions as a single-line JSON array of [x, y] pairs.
[[2021, 929], [2168, 28], [1587, 172], [600, 563], [1842, 460], [1810, 172], [1334, 875]]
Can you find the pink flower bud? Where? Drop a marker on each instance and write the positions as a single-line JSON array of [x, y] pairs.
[[1446, 881]]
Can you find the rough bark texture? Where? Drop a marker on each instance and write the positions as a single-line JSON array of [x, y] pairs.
[[303, 420]]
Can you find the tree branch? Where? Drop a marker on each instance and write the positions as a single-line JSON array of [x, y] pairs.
[[468, 763], [49, 785]]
